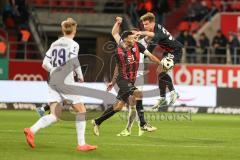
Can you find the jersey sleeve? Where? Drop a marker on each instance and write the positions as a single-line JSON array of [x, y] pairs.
[[49, 53], [47, 60], [74, 50], [142, 49]]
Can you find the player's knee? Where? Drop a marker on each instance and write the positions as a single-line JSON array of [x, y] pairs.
[[138, 94], [131, 100], [118, 106], [80, 116], [56, 109], [79, 107]]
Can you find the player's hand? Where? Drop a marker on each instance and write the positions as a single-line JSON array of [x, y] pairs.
[[137, 33], [109, 86], [119, 19]]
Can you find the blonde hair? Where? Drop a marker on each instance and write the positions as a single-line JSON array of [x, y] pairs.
[[69, 26], [148, 17]]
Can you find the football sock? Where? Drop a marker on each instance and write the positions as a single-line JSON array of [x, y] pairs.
[[131, 117], [162, 84], [140, 112], [169, 82], [43, 122], [80, 127], [46, 108], [107, 114]]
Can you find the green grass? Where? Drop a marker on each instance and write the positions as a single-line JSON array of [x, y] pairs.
[[205, 137]]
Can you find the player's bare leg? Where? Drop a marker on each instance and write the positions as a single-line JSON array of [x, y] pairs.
[[80, 127], [106, 115], [143, 125], [131, 117]]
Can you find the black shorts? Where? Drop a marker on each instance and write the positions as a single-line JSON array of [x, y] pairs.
[[126, 88]]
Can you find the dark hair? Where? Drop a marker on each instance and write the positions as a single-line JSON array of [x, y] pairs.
[[125, 34]]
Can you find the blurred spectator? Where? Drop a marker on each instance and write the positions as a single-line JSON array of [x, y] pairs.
[[113, 7], [160, 8], [203, 44], [133, 13], [189, 43], [233, 44], [8, 17], [191, 48], [3, 47], [20, 11], [204, 10], [177, 3], [219, 44], [194, 10], [2, 4]]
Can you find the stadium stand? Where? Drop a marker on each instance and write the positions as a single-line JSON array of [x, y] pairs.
[[187, 15]]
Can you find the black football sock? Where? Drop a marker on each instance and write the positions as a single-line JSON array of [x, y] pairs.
[[140, 112], [106, 115], [169, 82], [46, 108], [162, 84]]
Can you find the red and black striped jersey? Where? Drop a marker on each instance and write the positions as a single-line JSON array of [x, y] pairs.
[[128, 61]]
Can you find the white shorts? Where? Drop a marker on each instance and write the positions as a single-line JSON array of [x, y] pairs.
[[56, 96]]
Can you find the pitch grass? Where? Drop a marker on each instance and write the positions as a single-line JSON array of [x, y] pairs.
[[205, 137]]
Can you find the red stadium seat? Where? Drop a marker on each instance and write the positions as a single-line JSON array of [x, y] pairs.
[[89, 4], [68, 4], [9, 22], [40, 3], [194, 26], [3, 48], [184, 25], [25, 35], [148, 5]]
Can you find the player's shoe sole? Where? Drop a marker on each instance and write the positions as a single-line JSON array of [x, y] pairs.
[[29, 137], [95, 128], [86, 147]]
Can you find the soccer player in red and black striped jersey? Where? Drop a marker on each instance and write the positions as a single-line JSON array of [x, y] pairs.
[[158, 35], [127, 58]]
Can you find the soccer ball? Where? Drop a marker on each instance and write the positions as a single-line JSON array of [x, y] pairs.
[[167, 63]]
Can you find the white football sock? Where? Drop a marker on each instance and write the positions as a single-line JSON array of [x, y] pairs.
[[172, 92], [80, 127], [43, 122], [131, 117]]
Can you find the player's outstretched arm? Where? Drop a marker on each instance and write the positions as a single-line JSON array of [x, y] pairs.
[[116, 29], [147, 33], [47, 62], [152, 57], [114, 79]]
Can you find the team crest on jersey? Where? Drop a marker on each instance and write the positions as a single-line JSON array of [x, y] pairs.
[[131, 59], [134, 49]]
